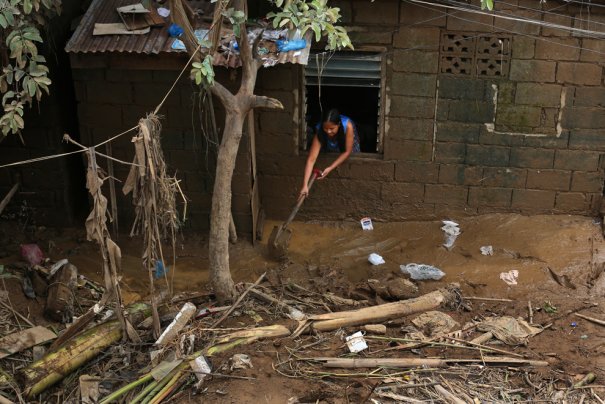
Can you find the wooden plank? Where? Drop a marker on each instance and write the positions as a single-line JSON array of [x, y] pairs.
[[21, 340], [8, 197]]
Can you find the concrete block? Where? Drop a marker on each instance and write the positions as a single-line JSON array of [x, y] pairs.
[[279, 77], [417, 37], [592, 50], [523, 47], [572, 202], [370, 170], [421, 85], [533, 200], [589, 97], [517, 116], [548, 179], [579, 73], [410, 150], [540, 71], [86, 75], [577, 160], [584, 118], [445, 194], [410, 129], [544, 95], [527, 157], [458, 132], [587, 181], [461, 89], [550, 142], [100, 115], [490, 197], [411, 107], [587, 139], [152, 94], [417, 171], [459, 174], [130, 76], [450, 152], [469, 21], [499, 139], [558, 49], [399, 192], [382, 13], [504, 177], [558, 19], [470, 111], [487, 155], [415, 61], [415, 13], [369, 36], [517, 26]]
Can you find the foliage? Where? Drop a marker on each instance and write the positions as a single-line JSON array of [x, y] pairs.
[[313, 15], [24, 75], [203, 73], [489, 4]]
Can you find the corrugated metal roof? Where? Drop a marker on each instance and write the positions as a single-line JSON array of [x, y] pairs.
[[155, 42]]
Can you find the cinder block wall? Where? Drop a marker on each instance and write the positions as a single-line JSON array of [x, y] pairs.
[[113, 100], [531, 142]]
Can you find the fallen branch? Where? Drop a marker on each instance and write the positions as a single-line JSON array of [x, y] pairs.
[[383, 312], [487, 299], [447, 395], [591, 319], [419, 362], [238, 301], [292, 311], [8, 197]]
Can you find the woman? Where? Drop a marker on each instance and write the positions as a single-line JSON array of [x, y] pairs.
[[335, 133]]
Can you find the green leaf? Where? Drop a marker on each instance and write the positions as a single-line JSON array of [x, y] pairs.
[[3, 22], [31, 88], [43, 80], [27, 6]]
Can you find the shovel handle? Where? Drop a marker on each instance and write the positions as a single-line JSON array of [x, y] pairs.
[[316, 173]]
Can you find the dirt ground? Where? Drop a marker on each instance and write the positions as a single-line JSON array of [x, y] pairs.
[[558, 259]]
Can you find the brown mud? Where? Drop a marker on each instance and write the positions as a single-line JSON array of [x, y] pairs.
[[333, 257]]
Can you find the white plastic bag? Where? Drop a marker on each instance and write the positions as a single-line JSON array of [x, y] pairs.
[[422, 271], [376, 259]]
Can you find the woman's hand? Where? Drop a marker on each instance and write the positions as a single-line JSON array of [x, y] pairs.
[[304, 192], [325, 173]]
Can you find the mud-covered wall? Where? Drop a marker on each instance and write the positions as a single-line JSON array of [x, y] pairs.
[[513, 122], [112, 100]]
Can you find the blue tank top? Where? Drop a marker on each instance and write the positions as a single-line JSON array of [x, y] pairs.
[[331, 145]]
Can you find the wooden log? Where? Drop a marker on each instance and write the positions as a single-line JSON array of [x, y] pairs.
[[417, 362], [60, 298], [53, 367], [383, 312], [18, 341], [482, 339]]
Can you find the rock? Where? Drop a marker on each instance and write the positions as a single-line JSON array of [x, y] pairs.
[[401, 288], [435, 322]]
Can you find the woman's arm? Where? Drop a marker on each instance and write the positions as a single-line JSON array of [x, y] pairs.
[[313, 153], [350, 137]]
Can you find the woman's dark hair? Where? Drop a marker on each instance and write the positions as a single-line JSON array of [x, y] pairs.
[[332, 116]]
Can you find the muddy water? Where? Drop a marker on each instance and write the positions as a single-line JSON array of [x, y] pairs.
[[566, 244]]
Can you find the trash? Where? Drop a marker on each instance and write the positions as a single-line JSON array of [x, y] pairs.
[[160, 269], [549, 307], [376, 259], [487, 250], [21, 340], [56, 266], [562, 280], [32, 254], [366, 223], [584, 336], [588, 379], [356, 342], [60, 298], [296, 314], [451, 231], [435, 322], [175, 31], [290, 45], [89, 389], [240, 361], [422, 271], [201, 368], [164, 12], [574, 324], [509, 330], [187, 311], [28, 288], [164, 368], [510, 277], [380, 329]]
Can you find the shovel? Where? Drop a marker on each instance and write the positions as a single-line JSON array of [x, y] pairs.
[[280, 236]]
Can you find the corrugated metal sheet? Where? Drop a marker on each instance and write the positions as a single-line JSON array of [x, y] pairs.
[[155, 42]]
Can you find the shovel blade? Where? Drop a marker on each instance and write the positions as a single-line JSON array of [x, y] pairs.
[[279, 242]]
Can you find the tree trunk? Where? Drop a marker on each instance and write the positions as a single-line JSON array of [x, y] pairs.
[[221, 207]]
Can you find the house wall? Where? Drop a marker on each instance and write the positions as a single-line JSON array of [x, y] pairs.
[[532, 142], [113, 99]]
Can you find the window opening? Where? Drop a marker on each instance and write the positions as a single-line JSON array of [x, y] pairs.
[[350, 82]]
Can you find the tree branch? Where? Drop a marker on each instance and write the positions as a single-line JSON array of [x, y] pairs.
[[178, 15], [260, 101], [224, 95]]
